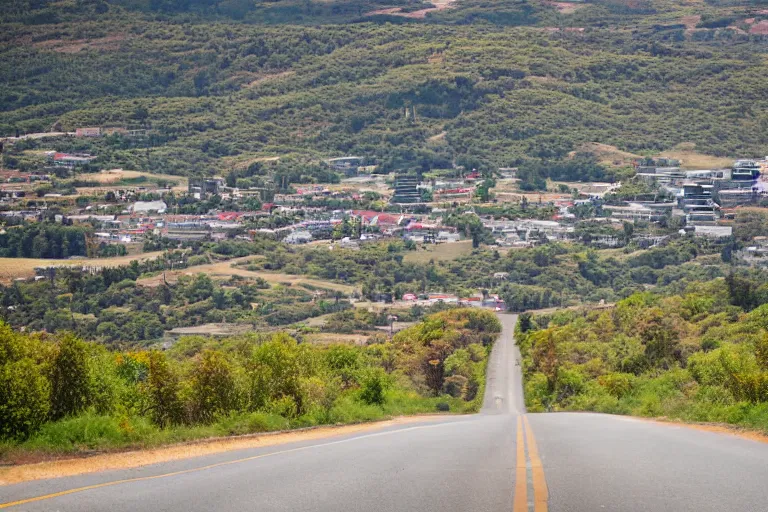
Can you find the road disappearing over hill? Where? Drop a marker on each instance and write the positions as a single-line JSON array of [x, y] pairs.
[[499, 460]]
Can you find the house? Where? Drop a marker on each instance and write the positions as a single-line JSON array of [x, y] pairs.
[[348, 243], [406, 190], [88, 132], [70, 161], [636, 211], [372, 218], [447, 236], [508, 172], [346, 164], [148, 206], [202, 187], [298, 237], [713, 232], [442, 297]]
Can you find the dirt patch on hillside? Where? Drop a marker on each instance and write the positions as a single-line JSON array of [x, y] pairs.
[[439, 5], [116, 175], [27, 471], [269, 77], [691, 159], [566, 7], [439, 136], [109, 43], [760, 28], [609, 155], [690, 22], [440, 252], [329, 338]]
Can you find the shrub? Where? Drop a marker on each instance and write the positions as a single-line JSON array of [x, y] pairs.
[[373, 384], [214, 387], [456, 386], [163, 390], [24, 398], [617, 384], [70, 378]]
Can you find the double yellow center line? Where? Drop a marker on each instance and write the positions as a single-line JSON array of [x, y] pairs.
[[540, 492]]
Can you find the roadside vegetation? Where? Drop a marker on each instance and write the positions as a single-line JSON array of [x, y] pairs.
[[59, 394], [699, 355]]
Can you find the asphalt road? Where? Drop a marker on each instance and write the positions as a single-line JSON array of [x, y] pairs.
[[499, 460]]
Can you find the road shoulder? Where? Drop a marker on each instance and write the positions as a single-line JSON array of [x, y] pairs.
[[133, 459]]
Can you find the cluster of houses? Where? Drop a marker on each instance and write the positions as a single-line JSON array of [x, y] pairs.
[[430, 299], [371, 225], [702, 200], [706, 197]]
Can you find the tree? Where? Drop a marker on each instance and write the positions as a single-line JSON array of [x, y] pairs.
[[24, 388], [163, 389], [24, 399], [70, 378], [659, 334], [140, 113], [215, 390], [372, 386]]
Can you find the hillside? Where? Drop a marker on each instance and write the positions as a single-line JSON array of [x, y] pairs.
[[222, 84]]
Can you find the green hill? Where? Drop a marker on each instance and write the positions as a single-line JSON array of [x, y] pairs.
[[220, 84]]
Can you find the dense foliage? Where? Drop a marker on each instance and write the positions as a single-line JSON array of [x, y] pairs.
[[60, 393], [44, 240], [697, 356], [505, 83], [124, 311]]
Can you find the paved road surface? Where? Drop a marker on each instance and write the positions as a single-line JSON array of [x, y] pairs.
[[499, 460]]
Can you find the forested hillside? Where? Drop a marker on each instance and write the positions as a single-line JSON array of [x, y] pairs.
[[221, 84]]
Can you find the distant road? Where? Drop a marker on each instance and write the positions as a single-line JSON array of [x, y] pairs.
[[41, 135], [499, 460]]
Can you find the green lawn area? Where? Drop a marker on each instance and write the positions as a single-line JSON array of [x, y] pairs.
[[439, 252]]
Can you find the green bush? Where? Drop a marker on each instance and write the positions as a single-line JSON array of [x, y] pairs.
[[214, 387], [24, 399], [71, 390], [373, 384]]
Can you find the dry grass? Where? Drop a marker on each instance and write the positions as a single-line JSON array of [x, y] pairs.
[[439, 252], [439, 5], [114, 176], [328, 338], [213, 329], [268, 77], [609, 155], [439, 137], [685, 152], [692, 159], [110, 43], [12, 268], [566, 7], [224, 270]]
